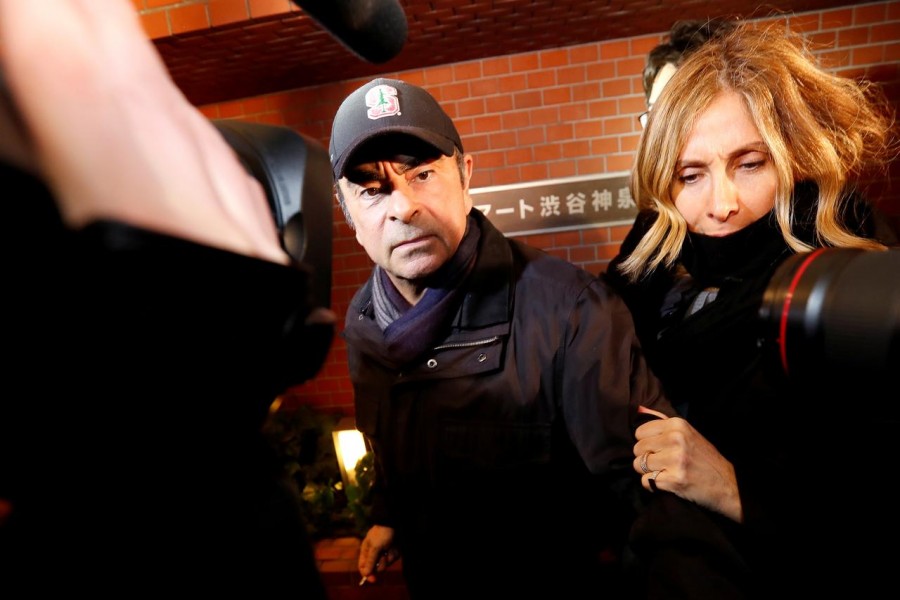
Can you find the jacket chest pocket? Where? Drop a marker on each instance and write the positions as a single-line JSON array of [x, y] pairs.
[[459, 360]]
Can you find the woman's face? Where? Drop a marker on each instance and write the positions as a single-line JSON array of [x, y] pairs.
[[724, 177]]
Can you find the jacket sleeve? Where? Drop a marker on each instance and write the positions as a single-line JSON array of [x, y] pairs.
[[604, 379]]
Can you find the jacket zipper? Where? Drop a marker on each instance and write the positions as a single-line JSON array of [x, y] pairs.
[[484, 342]]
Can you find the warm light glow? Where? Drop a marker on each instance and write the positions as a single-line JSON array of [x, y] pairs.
[[349, 446]]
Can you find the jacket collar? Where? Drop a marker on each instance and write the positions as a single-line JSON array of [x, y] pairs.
[[490, 286]]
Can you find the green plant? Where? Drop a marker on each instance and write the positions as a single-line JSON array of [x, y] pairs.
[[302, 441]]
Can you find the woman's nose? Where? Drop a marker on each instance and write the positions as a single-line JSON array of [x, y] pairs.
[[725, 199]]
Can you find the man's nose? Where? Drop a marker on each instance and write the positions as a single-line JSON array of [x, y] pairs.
[[402, 205]]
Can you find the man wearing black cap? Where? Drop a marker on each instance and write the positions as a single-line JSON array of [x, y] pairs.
[[498, 385]]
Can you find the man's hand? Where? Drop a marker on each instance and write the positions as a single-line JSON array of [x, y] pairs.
[[376, 552]]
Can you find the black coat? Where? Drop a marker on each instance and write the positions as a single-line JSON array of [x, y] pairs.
[[800, 453], [504, 450]]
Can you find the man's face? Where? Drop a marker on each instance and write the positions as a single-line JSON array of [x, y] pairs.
[[409, 212], [659, 82], [662, 78]]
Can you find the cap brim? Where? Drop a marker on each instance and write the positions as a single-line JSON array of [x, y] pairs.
[[441, 143]]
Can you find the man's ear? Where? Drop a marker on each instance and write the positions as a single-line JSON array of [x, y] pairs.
[[468, 166]]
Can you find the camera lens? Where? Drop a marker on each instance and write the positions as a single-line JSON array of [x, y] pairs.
[[833, 316]]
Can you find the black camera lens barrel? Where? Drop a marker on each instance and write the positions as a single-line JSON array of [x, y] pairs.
[[834, 316]]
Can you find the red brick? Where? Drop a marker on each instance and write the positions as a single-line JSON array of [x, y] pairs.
[[833, 19], [547, 152], [225, 12], [558, 95], [554, 58], [889, 32], [524, 62], [805, 23], [156, 24], [587, 53], [867, 55], [572, 112], [853, 37], [468, 70], [534, 172], [188, 18], [870, 14], [495, 66], [614, 49], [527, 99], [267, 8]]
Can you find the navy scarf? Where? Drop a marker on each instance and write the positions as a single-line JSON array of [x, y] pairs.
[[409, 330]]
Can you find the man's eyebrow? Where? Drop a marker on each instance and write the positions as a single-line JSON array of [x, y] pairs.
[[371, 172], [358, 174]]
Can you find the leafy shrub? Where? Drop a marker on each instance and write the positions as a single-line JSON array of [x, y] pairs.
[[302, 441]]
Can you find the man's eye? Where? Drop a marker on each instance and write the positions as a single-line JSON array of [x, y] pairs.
[[424, 175], [371, 192]]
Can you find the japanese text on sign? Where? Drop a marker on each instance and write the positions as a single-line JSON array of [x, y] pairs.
[[557, 204]]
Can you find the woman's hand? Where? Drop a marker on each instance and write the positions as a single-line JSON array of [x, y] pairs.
[[673, 456]]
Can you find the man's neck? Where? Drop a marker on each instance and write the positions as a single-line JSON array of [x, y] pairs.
[[411, 290]]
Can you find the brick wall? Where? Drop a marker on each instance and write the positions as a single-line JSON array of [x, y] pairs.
[[162, 18], [526, 117]]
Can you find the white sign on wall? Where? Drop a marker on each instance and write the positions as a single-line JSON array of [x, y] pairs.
[[558, 204]]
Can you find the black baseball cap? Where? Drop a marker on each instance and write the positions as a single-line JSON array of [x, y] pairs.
[[389, 106]]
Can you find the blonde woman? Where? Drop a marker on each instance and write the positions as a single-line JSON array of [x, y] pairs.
[[751, 153]]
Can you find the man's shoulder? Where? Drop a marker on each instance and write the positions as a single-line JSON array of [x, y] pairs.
[[544, 262], [543, 270]]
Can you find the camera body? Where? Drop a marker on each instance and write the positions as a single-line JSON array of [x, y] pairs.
[[295, 172]]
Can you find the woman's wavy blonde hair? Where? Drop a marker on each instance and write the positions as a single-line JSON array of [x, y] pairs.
[[817, 126]]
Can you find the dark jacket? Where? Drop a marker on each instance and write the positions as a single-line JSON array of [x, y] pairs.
[[720, 369], [498, 450]]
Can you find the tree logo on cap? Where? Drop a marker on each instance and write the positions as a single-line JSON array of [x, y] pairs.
[[382, 102]]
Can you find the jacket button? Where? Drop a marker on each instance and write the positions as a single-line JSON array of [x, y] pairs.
[[359, 317], [432, 363], [481, 357]]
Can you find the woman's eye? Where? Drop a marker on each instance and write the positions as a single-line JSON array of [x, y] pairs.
[[752, 165], [688, 178]]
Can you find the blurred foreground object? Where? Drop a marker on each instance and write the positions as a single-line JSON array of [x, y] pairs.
[[834, 316], [295, 172], [374, 30]]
